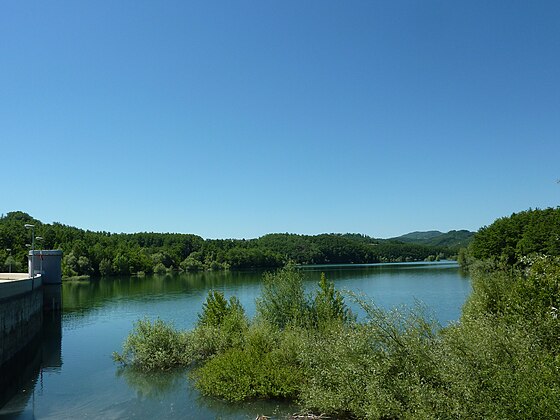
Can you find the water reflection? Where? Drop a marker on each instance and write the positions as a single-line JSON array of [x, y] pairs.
[[85, 295], [25, 371], [153, 385]]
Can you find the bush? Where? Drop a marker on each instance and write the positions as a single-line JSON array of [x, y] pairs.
[[498, 370], [283, 301], [208, 341], [502, 358], [264, 367], [221, 326], [191, 263], [328, 306], [154, 346], [384, 368], [216, 309], [527, 298], [160, 268]]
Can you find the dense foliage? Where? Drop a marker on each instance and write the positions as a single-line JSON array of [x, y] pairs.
[[104, 253], [502, 360], [154, 345], [508, 239]]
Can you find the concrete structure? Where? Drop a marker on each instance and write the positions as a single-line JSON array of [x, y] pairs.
[[47, 262], [15, 284], [21, 315], [21, 318], [43, 352], [23, 298]]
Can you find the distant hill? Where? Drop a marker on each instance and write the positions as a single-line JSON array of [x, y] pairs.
[[419, 236], [451, 239]]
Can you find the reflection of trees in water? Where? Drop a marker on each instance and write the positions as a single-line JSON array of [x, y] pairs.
[[81, 297], [84, 295], [158, 386], [153, 385], [387, 270], [278, 409]]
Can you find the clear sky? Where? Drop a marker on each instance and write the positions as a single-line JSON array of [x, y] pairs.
[[241, 118]]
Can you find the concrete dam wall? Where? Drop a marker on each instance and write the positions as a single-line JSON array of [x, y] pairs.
[[24, 297], [21, 315]]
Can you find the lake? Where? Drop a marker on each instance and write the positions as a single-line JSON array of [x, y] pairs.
[[69, 372]]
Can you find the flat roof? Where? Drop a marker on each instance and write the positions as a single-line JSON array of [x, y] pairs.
[[46, 252]]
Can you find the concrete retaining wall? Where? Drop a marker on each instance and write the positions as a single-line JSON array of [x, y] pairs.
[[18, 284], [21, 311], [21, 317]]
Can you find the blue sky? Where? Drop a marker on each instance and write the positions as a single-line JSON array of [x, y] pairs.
[[241, 118]]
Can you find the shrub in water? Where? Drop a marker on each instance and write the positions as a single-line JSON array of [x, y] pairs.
[[221, 325], [328, 305], [160, 268], [216, 308], [283, 301], [154, 346], [265, 366], [384, 368]]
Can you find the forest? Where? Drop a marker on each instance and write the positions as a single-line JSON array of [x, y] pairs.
[[501, 360], [88, 253], [509, 239]]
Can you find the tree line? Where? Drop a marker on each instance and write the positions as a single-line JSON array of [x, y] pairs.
[[104, 253], [510, 239]]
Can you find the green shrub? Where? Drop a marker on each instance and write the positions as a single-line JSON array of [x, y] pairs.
[[501, 361], [527, 298], [214, 309], [154, 346], [328, 305], [495, 369], [160, 268], [384, 368], [217, 308], [192, 263], [264, 367], [221, 325], [207, 341], [283, 301]]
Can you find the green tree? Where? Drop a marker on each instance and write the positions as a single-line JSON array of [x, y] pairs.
[[70, 265], [329, 305], [283, 301], [105, 267], [160, 268], [217, 308]]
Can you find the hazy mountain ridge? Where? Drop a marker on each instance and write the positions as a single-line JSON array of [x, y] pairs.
[[453, 238]]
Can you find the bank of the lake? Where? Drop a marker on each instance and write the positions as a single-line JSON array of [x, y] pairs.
[[98, 314]]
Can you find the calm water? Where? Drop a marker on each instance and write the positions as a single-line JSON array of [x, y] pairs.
[[75, 377]]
